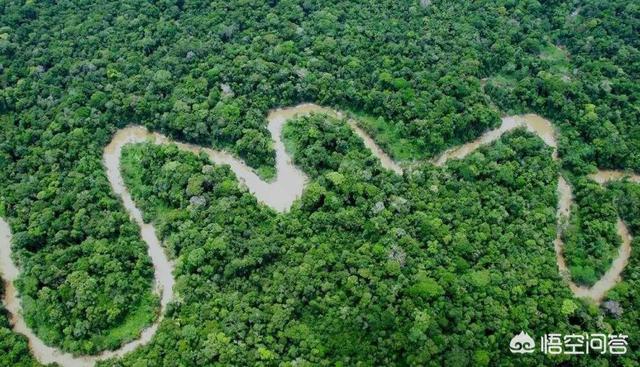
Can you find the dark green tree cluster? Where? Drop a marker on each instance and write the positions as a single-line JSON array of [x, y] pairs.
[[583, 77], [14, 350], [591, 239], [85, 281], [627, 198]]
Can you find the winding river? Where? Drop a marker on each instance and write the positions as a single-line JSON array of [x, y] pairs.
[[280, 194]]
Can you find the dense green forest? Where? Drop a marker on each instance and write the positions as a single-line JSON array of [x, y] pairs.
[[367, 267], [439, 266], [14, 350], [362, 258], [591, 240]]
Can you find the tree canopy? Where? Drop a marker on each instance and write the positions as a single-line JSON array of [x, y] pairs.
[[441, 266]]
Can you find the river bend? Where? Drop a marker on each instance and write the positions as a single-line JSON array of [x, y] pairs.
[[280, 194]]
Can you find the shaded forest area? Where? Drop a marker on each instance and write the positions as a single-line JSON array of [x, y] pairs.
[[426, 78]]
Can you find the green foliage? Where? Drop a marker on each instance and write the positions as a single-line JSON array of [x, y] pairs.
[[391, 140], [591, 240], [407, 279], [426, 287], [568, 307], [14, 350], [329, 283]]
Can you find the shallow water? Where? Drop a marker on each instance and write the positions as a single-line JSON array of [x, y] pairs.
[[385, 160], [277, 119], [604, 176], [533, 123], [280, 195], [543, 129]]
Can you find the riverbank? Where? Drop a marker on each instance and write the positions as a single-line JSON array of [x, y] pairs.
[[280, 194]]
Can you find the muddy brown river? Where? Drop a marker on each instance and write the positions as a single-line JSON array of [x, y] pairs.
[[279, 194]]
